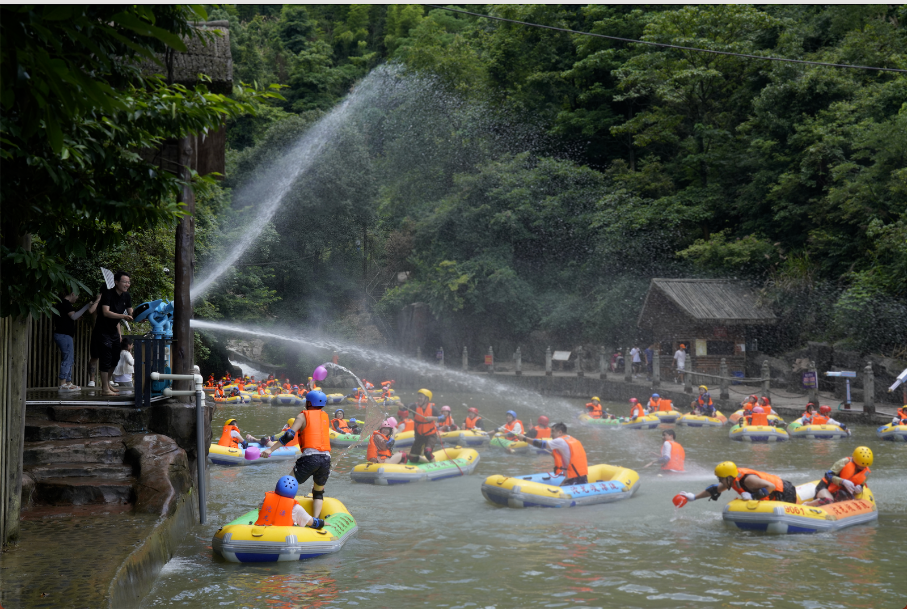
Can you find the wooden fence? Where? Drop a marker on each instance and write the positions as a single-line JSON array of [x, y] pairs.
[[45, 357], [13, 360]]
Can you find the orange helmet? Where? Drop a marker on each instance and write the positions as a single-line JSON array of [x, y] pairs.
[[825, 409]]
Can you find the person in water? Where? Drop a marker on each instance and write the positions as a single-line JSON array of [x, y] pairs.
[[594, 408], [280, 509], [749, 484], [314, 425], [672, 455], [845, 480], [446, 422], [473, 420], [569, 455]]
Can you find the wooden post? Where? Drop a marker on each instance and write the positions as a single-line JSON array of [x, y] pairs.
[[465, 359], [766, 379], [519, 362], [13, 420], [183, 357], [813, 392], [579, 362], [656, 368], [602, 363], [548, 361], [869, 387], [723, 373], [688, 376]]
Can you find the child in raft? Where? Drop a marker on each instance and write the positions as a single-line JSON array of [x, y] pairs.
[[280, 509], [845, 479], [381, 442]]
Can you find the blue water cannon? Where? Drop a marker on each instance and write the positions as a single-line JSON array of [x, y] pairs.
[[160, 314]]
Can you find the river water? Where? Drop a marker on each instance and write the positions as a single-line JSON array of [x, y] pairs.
[[442, 545]]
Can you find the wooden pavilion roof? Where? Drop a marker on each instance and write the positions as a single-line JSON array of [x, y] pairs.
[[707, 301]]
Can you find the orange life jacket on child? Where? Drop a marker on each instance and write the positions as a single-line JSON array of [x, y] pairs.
[[227, 439], [594, 410], [373, 452], [758, 418], [340, 426], [665, 405], [316, 433], [276, 511], [637, 411], [470, 422]]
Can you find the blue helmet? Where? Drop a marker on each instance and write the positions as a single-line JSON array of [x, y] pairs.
[[655, 395], [287, 487], [511, 413], [316, 399], [353, 421]]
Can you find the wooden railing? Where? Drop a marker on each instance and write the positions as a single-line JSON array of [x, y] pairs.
[[44, 356]]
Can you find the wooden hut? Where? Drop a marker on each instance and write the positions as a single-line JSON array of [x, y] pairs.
[[709, 317]]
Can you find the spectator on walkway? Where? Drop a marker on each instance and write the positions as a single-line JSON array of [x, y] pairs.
[[649, 359], [122, 374], [680, 362], [116, 305], [64, 331], [636, 359]]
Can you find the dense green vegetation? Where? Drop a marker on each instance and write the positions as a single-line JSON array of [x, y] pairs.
[[532, 182]]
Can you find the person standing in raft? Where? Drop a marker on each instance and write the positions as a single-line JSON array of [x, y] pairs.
[[749, 484], [672, 454], [473, 420], [314, 425], [379, 444], [569, 455], [231, 437], [280, 509], [426, 431], [845, 479], [446, 422], [594, 408]]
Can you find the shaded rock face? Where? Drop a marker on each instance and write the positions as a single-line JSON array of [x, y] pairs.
[[177, 421], [162, 472]]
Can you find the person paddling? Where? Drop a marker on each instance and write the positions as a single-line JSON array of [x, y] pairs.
[[568, 452]]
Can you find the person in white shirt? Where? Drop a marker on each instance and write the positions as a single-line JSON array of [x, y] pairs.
[[637, 361], [122, 374], [680, 362]]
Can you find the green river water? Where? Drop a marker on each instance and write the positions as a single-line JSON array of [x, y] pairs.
[[441, 544]]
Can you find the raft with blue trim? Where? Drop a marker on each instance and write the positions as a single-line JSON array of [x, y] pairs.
[[335, 398], [817, 432], [242, 398], [224, 455], [667, 416], [758, 433], [772, 417], [781, 518], [698, 420], [892, 432], [287, 399], [343, 440], [448, 463], [607, 483], [242, 541], [462, 437], [649, 421], [585, 419]]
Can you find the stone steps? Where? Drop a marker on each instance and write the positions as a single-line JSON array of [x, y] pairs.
[[37, 430], [130, 419], [107, 471], [83, 490], [103, 450]]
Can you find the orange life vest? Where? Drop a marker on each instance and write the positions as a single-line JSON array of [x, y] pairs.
[[577, 466], [595, 410], [241, 386], [423, 427], [849, 472], [637, 411], [446, 422], [373, 452], [276, 511], [409, 425], [701, 402], [317, 431], [742, 471], [542, 433], [677, 457], [261, 390], [759, 418], [818, 420], [340, 426], [219, 392], [512, 425], [653, 405], [287, 387], [748, 407], [665, 405], [470, 422], [226, 438], [902, 415]]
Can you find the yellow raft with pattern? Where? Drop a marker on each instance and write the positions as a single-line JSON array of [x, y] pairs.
[[607, 483], [698, 420], [782, 518], [243, 541], [650, 421], [667, 416], [758, 433], [448, 463], [225, 455], [242, 398], [893, 432]]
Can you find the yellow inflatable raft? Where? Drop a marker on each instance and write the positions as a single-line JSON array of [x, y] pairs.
[[698, 420], [892, 432], [786, 518], [650, 421], [462, 437], [607, 483], [242, 398], [224, 455], [448, 463], [287, 399], [758, 433], [667, 416], [772, 418], [243, 541]]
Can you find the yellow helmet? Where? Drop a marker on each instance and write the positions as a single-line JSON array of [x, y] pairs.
[[862, 456], [425, 392], [703, 387], [290, 421], [728, 468], [596, 399], [229, 421]]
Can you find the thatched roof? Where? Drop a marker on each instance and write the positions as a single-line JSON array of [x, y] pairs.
[[707, 301], [210, 57]]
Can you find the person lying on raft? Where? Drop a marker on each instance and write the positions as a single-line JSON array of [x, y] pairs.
[[279, 509], [594, 408], [473, 420], [513, 427], [703, 405], [672, 455], [569, 455], [845, 479], [749, 484], [381, 442], [446, 422], [541, 431]]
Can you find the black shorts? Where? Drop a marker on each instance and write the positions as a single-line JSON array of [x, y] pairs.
[[789, 495], [106, 349], [422, 442], [316, 467], [576, 480]]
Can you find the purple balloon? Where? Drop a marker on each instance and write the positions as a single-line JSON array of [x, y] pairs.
[[320, 373], [252, 453]]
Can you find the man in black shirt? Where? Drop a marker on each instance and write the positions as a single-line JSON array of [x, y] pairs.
[[116, 305], [64, 331]]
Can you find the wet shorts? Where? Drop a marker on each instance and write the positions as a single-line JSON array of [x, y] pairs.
[[789, 495], [316, 467]]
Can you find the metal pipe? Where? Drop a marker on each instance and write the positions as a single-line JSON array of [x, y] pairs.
[[201, 457]]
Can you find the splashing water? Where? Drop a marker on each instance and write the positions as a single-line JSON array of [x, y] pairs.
[[464, 380], [374, 414]]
